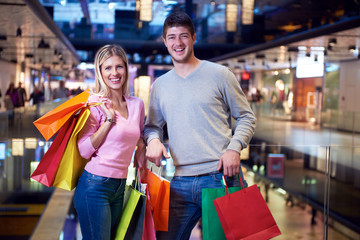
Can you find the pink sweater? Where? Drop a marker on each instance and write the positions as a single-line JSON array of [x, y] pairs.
[[113, 157]]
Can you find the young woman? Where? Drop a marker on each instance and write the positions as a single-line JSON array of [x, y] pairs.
[[112, 132]]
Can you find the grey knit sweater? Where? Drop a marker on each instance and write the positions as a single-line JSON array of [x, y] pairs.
[[198, 110]]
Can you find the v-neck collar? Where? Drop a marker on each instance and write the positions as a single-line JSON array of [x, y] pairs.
[[127, 109], [193, 72]]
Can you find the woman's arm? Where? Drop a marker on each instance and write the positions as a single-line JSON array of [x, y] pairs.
[[98, 137]]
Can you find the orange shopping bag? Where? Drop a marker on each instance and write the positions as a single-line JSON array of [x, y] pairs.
[[159, 190], [52, 121]]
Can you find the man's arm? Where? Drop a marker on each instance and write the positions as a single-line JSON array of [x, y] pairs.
[[245, 125], [153, 130]]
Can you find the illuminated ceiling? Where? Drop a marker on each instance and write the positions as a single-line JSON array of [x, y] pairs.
[[44, 43]]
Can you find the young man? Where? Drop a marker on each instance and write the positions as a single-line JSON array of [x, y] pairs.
[[197, 100]]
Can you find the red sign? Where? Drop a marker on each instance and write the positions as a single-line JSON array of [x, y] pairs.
[[275, 165], [245, 76]]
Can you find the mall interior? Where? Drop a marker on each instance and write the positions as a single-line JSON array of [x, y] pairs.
[[297, 61]]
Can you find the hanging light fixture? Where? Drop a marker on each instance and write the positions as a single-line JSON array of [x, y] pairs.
[[144, 7], [231, 16], [18, 32], [247, 16], [142, 89]]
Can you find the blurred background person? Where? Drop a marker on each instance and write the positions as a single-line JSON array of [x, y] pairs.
[[61, 91], [22, 94], [12, 100], [36, 96], [14, 95]]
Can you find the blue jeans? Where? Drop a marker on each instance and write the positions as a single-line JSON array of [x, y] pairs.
[[99, 203], [185, 202]]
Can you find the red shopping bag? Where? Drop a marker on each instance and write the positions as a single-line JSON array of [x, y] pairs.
[[149, 232], [46, 170], [52, 121], [159, 190], [245, 215]]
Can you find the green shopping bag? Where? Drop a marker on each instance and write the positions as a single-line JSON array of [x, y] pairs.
[[211, 226], [132, 220]]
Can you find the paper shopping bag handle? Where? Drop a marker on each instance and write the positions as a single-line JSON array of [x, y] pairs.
[[224, 181]]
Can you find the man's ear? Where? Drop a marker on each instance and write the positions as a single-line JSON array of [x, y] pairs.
[[194, 38], [164, 40]]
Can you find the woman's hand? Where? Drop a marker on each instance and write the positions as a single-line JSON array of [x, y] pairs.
[[108, 110]]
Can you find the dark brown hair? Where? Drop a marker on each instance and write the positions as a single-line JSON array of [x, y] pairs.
[[177, 19]]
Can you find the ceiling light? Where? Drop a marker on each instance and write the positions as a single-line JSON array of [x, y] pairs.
[[352, 48], [290, 27], [231, 16], [332, 41], [212, 2], [43, 44], [18, 32], [293, 49], [29, 55], [247, 7], [144, 7]]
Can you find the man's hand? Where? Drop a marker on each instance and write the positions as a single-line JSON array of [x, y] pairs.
[[155, 150], [230, 163]]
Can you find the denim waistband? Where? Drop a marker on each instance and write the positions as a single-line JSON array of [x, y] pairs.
[[207, 174]]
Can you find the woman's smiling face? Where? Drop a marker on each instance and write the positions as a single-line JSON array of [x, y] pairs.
[[113, 72]]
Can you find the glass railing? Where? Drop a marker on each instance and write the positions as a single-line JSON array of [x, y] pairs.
[[311, 190], [308, 174]]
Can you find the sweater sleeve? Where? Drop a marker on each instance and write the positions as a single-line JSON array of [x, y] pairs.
[[155, 119], [85, 146], [240, 110]]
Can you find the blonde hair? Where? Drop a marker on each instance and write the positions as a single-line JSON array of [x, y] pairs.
[[101, 56]]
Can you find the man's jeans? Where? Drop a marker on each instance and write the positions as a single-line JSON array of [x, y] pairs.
[[99, 202], [185, 202]]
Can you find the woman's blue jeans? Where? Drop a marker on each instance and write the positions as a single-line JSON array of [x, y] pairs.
[[99, 203], [185, 202]]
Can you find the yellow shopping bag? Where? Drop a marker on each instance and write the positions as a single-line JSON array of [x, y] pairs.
[[72, 164]]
